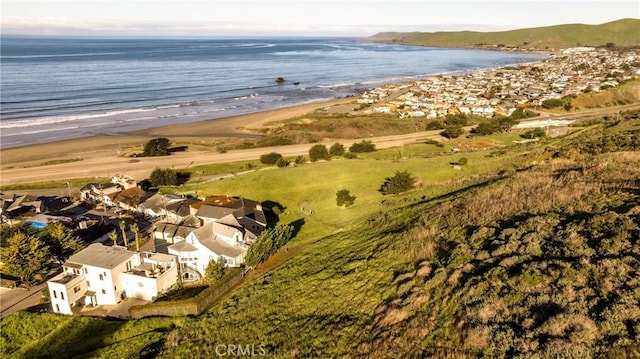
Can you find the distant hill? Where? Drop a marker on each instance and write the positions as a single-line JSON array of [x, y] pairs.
[[624, 32]]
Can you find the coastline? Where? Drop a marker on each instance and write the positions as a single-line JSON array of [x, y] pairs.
[[202, 131]]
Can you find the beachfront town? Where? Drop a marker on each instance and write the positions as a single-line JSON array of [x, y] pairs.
[[501, 91], [137, 245]]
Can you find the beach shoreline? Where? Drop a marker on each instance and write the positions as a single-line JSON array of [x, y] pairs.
[[206, 131]]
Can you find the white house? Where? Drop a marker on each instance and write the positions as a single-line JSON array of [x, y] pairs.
[[95, 276], [225, 241]]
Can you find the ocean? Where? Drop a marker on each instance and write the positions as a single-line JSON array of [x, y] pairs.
[[61, 88]]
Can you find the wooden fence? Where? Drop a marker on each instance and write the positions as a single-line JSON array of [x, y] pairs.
[[191, 306]]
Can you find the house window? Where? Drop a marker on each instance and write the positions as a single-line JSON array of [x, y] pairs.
[[57, 308], [101, 277], [141, 285], [84, 270], [54, 294], [104, 291], [76, 289], [62, 295], [128, 266], [88, 284]]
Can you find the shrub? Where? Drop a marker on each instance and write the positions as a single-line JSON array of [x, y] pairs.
[[213, 272], [463, 161], [270, 158], [533, 133], [163, 177], [318, 152], [269, 141], [400, 182], [363, 146], [156, 147], [300, 160], [344, 198], [337, 149], [350, 155], [452, 131], [552, 103], [282, 162]]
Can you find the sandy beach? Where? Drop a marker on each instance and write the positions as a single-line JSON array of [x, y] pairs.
[[108, 145]]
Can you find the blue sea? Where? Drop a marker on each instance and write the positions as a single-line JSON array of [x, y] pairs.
[[61, 88]]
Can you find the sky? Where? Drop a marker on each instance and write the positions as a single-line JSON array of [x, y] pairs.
[[243, 18]]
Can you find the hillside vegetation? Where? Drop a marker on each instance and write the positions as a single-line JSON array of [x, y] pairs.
[[530, 251], [624, 32]]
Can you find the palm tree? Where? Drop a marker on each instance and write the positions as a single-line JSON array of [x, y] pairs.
[[134, 228], [114, 237], [123, 225]]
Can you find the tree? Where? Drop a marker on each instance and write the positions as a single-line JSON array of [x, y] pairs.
[[156, 147], [400, 182], [163, 177], [318, 152], [122, 226], [344, 198], [213, 272], [506, 123], [362, 146], [270, 158], [114, 237], [268, 242], [26, 256], [136, 231], [485, 128], [337, 149], [454, 131], [62, 242]]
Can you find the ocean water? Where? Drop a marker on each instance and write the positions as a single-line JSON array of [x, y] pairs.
[[60, 88]]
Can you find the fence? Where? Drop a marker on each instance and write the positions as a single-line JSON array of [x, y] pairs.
[[191, 306]]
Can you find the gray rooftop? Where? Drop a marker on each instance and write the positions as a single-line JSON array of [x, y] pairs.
[[98, 255]]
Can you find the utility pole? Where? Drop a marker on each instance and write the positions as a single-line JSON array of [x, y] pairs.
[[69, 188]]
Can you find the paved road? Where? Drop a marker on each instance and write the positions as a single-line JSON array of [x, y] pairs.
[[141, 167], [13, 300]]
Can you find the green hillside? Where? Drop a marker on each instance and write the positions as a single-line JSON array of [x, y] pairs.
[[624, 32], [532, 251]]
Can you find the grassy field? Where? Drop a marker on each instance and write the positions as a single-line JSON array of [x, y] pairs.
[[621, 32], [513, 255]]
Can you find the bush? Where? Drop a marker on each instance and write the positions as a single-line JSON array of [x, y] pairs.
[[463, 161], [344, 198], [282, 163], [269, 141], [434, 125], [163, 177], [552, 103], [300, 160], [533, 133], [350, 155], [337, 149], [402, 181], [318, 152], [270, 158], [452, 132], [363, 146], [213, 272], [156, 147]]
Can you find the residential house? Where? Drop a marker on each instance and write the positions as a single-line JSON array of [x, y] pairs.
[[225, 241], [95, 276]]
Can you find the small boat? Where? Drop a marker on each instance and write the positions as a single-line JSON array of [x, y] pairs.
[[280, 80]]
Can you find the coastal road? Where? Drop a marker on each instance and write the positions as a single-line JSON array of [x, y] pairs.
[[139, 168]]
